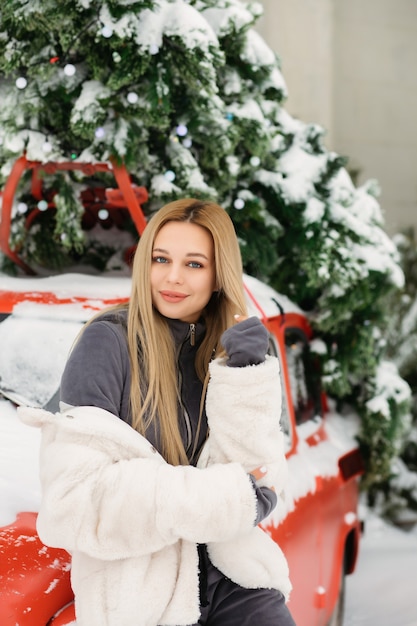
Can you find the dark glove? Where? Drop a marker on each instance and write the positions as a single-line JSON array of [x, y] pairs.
[[246, 343]]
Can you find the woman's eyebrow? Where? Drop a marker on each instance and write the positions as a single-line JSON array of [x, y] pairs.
[[199, 254], [189, 254]]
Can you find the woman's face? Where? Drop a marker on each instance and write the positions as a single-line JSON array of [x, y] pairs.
[[183, 273]]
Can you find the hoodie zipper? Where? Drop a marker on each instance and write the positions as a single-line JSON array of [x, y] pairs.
[[192, 334], [184, 410]]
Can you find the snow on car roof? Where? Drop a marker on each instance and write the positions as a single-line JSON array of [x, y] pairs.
[[268, 301], [70, 285]]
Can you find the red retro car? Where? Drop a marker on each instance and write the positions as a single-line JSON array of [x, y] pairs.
[[316, 522]]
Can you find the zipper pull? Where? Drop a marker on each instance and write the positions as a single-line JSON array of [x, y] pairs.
[[192, 334]]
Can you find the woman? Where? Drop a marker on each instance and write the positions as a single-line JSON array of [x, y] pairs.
[[160, 518]]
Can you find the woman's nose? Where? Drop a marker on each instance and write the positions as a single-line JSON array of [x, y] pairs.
[[174, 274]]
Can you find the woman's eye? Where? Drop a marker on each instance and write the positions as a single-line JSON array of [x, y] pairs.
[[159, 259], [194, 264]]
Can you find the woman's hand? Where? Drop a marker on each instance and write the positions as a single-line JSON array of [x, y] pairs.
[[240, 318], [246, 343], [259, 472]]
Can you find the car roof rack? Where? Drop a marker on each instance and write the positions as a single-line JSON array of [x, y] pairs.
[[125, 195]]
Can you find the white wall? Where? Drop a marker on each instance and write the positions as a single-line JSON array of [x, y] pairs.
[[351, 66], [300, 31], [375, 99]]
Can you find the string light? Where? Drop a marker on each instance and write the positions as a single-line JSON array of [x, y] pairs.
[[22, 207], [170, 175], [239, 204], [153, 48], [103, 214], [42, 205], [21, 82], [255, 161], [181, 130], [69, 69], [100, 132], [187, 143], [132, 97], [47, 146], [107, 31]]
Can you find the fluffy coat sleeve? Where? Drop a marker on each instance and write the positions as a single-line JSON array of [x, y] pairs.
[[243, 412], [109, 494]]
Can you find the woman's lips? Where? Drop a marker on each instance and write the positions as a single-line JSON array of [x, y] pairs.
[[173, 296]]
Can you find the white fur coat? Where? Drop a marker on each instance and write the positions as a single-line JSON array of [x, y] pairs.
[[131, 521]]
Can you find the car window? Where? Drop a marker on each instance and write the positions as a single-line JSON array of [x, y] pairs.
[[285, 418], [33, 352], [304, 376]]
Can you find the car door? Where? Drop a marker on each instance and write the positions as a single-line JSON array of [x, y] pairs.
[[296, 523]]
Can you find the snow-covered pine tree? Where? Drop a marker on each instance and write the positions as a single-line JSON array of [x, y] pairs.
[[191, 98], [399, 498], [402, 327]]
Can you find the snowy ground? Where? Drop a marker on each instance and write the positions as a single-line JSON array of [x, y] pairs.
[[382, 591]]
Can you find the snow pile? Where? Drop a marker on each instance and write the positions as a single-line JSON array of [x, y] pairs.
[[20, 488]]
